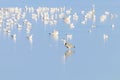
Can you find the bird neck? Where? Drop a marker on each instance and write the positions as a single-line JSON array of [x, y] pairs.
[[64, 41]]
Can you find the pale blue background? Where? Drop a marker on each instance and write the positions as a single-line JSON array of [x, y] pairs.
[[93, 59]]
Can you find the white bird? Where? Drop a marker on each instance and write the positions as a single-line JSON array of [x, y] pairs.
[[34, 17], [103, 18], [55, 34], [67, 20], [72, 26], [75, 16], [93, 26], [69, 36], [90, 30], [14, 37], [19, 27], [83, 22], [6, 30], [61, 15], [30, 38], [68, 11], [105, 36], [113, 26], [107, 13]]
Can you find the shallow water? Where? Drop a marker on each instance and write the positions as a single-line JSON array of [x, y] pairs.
[[92, 58]]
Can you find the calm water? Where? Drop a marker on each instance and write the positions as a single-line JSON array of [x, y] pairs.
[[92, 58]]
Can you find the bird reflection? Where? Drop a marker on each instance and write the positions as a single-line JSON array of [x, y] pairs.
[[67, 54]]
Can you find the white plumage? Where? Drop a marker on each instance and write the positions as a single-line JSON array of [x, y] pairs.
[[105, 36], [14, 37], [55, 34], [30, 38]]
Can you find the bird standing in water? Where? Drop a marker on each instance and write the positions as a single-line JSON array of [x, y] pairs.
[[67, 44]]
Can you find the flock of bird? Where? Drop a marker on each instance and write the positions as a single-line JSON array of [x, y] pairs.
[[17, 18]]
